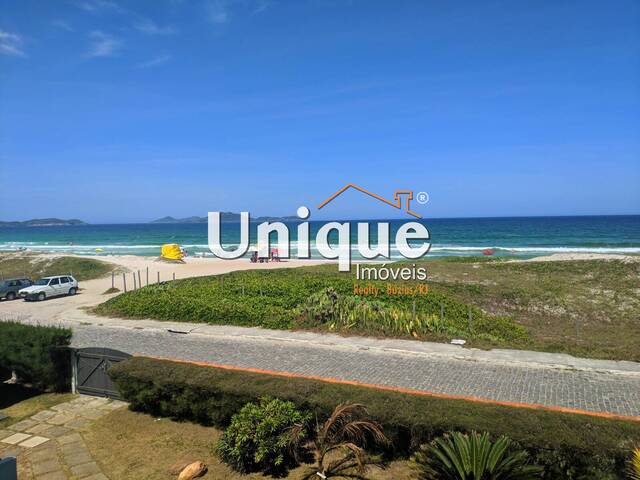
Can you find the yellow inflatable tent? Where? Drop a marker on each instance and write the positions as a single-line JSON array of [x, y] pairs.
[[171, 251]]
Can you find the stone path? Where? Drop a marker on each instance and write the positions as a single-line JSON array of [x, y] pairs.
[[590, 390], [552, 380], [49, 444]]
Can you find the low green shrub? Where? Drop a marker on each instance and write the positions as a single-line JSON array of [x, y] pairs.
[[38, 354], [458, 456], [331, 310], [261, 436], [568, 446], [277, 298]]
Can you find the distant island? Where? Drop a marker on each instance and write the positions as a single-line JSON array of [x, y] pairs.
[[43, 222], [225, 217]]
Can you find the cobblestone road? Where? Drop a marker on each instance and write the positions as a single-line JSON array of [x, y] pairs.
[[585, 390]]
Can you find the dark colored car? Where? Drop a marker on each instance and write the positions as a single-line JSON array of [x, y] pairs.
[[9, 288]]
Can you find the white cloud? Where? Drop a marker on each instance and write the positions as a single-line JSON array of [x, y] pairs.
[[97, 6], [61, 24], [151, 28], [104, 45], [11, 44], [218, 11], [154, 62]]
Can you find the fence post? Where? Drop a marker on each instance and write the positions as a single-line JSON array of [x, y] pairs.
[[174, 276], [139, 280], [113, 280], [124, 282], [158, 277], [134, 280], [147, 276]]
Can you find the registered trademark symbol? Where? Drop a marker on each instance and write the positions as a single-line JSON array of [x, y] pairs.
[[423, 197]]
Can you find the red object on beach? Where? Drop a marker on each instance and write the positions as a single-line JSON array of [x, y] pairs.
[[488, 251]]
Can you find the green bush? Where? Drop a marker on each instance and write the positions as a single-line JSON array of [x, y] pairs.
[[277, 298], [38, 354], [458, 456], [261, 436], [568, 446]]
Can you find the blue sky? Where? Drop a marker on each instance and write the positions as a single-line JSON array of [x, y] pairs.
[[114, 111]]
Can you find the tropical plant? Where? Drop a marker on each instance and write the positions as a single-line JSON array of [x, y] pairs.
[[260, 436], [634, 465], [458, 456], [340, 443]]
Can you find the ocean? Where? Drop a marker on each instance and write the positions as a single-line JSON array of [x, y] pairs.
[[513, 236]]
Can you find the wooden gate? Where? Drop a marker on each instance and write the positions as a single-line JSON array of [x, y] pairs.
[[90, 371]]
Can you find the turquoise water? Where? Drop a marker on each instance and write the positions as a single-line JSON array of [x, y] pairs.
[[524, 236]]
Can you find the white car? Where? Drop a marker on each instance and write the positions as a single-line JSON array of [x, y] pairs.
[[50, 287]]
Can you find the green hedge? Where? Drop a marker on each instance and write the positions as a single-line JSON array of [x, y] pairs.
[[38, 354], [569, 446]]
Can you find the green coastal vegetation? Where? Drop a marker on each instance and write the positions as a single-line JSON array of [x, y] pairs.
[[563, 445], [587, 308], [35, 266]]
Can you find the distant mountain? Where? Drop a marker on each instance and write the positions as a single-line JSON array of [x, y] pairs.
[[225, 217], [43, 222]]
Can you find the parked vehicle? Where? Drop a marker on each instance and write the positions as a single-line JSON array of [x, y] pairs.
[[50, 287], [9, 288]]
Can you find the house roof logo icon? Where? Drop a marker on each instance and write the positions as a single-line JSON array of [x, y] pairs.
[[396, 203]]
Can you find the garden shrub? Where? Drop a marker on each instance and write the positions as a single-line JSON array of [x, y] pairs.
[[566, 445], [38, 354], [261, 436], [458, 456]]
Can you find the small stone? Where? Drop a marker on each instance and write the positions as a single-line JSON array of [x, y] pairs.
[[194, 470], [55, 475], [23, 425], [33, 442], [43, 415], [60, 419], [16, 438], [40, 468], [85, 469]]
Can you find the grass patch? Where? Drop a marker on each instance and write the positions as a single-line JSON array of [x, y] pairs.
[[19, 402], [33, 266], [132, 446], [561, 442], [588, 308], [278, 299]]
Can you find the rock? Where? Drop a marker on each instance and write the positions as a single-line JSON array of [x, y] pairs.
[[193, 470]]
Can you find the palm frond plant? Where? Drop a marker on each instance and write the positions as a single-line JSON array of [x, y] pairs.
[[634, 465], [340, 443], [458, 456]]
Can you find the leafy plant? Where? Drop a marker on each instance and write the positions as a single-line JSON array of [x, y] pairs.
[[260, 436], [340, 443], [634, 465], [458, 456]]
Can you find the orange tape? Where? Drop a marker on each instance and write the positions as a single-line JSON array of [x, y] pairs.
[[408, 391]]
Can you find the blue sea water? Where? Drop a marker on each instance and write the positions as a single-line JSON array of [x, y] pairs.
[[514, 236]]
